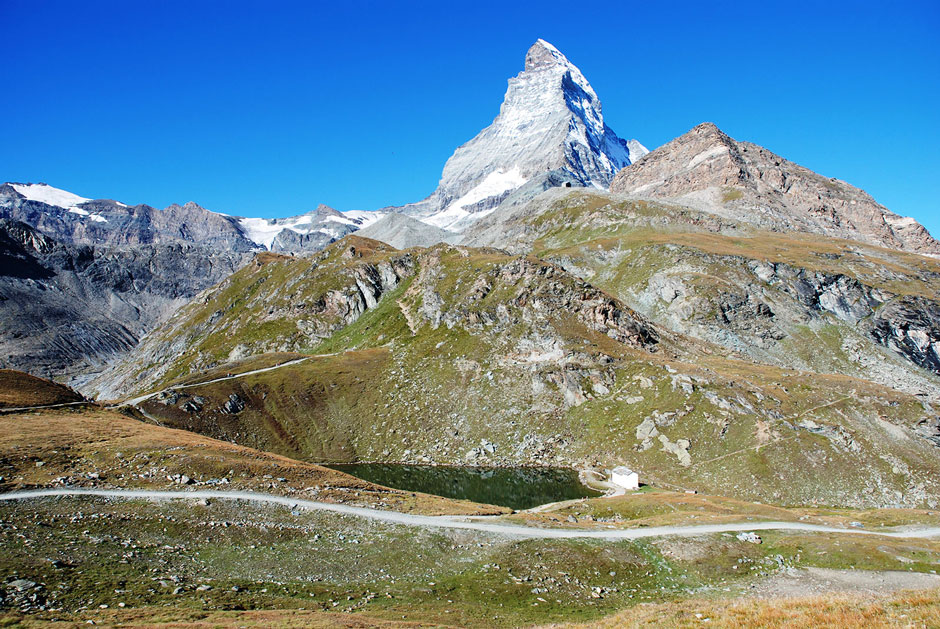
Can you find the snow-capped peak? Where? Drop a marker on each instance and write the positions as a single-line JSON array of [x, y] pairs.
[[44, 193], [550, 120], [543, 55]]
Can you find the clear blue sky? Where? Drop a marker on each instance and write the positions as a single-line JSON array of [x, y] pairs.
[[269, 108]]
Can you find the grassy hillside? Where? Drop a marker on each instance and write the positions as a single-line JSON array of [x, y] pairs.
[[19, 389], [100, 448], [768, 435], [471, 355]]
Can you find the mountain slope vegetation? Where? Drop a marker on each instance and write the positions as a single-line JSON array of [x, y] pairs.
[[465, 355]]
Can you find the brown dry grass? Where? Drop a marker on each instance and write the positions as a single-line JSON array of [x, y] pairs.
[[21, 389], [72, 444], [908, 609], [169, 618], [661, 507], [831, 255]]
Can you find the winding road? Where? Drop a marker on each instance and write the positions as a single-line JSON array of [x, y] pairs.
[[460, 522]]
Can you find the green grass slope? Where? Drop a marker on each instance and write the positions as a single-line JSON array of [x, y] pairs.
[[475, 356]]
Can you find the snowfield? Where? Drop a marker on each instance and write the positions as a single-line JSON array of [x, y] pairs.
[[50, 196]]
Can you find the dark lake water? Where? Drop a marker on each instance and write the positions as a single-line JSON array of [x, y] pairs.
[[514, 487]]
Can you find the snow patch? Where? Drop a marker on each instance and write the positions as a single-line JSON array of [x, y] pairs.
[[50, 196], [79, 211], [261, 231], [494, 184], [341, 220], [364, 218]]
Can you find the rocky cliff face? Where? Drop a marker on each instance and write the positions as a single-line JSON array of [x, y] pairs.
[[550, 120], [710, 171], [66, 310]]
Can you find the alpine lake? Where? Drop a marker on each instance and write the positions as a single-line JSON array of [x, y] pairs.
[[513, 487]]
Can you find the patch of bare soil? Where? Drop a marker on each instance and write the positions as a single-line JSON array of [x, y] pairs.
[[794, 582]]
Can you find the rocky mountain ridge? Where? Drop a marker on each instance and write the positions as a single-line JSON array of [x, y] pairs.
[[73, 219], [305, 302], [808, 301], [707, 170]]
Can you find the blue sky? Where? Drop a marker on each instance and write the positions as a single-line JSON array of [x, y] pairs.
[[269, 108]]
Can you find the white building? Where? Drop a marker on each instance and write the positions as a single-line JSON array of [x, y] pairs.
[[625, 477]]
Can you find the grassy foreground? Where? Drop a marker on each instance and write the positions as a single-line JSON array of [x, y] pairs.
[[847, 611], [141, 562]]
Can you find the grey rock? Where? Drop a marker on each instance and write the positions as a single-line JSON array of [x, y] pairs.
[[233, 405], [402, 232], [911, 327], [67, 310], [748, 536]]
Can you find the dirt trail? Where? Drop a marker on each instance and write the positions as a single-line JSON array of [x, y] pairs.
[[458, 522], [143, 398], [799, 582], [23, 409]]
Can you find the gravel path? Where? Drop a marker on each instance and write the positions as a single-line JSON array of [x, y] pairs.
[[459, 522], [137, 400]]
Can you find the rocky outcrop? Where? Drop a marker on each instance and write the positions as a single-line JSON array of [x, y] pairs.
[[708, 170], [341, 307], [233, 405], [911, 327], [908, 325], [539, 289]]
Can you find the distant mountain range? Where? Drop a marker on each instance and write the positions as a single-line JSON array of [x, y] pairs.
[[74, 219]]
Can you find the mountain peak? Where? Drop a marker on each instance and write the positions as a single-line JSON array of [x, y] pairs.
[[707, 129], [708, 170], [325, 210], [550, 120], [542, 55]]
